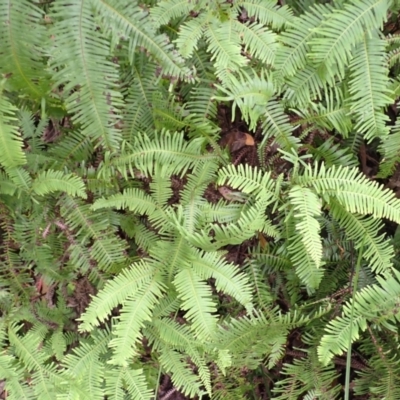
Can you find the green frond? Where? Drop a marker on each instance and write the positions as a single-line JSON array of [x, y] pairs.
[[126, 285], [332, 154], [197, 302], [376, 249], [342, 29], [375, 303], [306, 86], [333, 115], [22, 48], [306, 269], [182, 377], [182, 339], [226, 52], [136, 310], [354, 191], [307, 206], [247, 179], [249, 94], [227, 277], [164, 148], [369, 87], [54, 181], [165, 11], [132, 199], [122, 19], [190, 33], [136, 385], [89, 79], [276, 125], [11, 153], [390, 151], [292, 56], [258, 41], [268, 12], [137, 111]]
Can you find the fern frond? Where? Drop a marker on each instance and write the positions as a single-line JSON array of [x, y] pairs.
[[249, 94], [373, 303], [166, 10], [276, 125], [125, 285], [197, 302], [22, 48], [136, 310], [365, 230], [369, 88], [227, 278], [190, 33], [226, 52], [53, 181], [306, 269], [341, 31], [120, 17], [306, 208], [11, 153], [182, 376], [355, 192], [81, 61], [268, 12], [292, 56]]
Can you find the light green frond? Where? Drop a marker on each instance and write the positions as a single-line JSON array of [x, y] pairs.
[[226, 52], [369, 87], [307, 206], [166, 10], [197, 302], [306, 269], [81, 66], [135, 311], [247, 179], [354, 191], [333, 154], [249, 94], [11, 153], [373, 303], [132, 199], [305, 86], [391, 151], [57, 181], [182, 339], [365, 230], [268, 12], [23, 39], [227, 277], [137, 385], [330, 115], [341, 31], [137, 112], [292, 56], [276, 125], [83, 358], [164, 148], [129, 282], [183, 377], [258, 41], [190, 33], [121, 18]]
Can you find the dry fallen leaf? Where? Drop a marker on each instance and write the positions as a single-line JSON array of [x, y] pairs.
[[236, 140]]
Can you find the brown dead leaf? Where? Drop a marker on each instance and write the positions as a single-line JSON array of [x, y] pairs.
[[236, 140]]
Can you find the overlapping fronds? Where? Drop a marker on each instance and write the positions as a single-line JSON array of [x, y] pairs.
[[22, 48]]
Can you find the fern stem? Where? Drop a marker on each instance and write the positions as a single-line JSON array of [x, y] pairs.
[[348, 359]]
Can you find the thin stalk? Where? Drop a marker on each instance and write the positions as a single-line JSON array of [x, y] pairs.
[[348, 359]]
